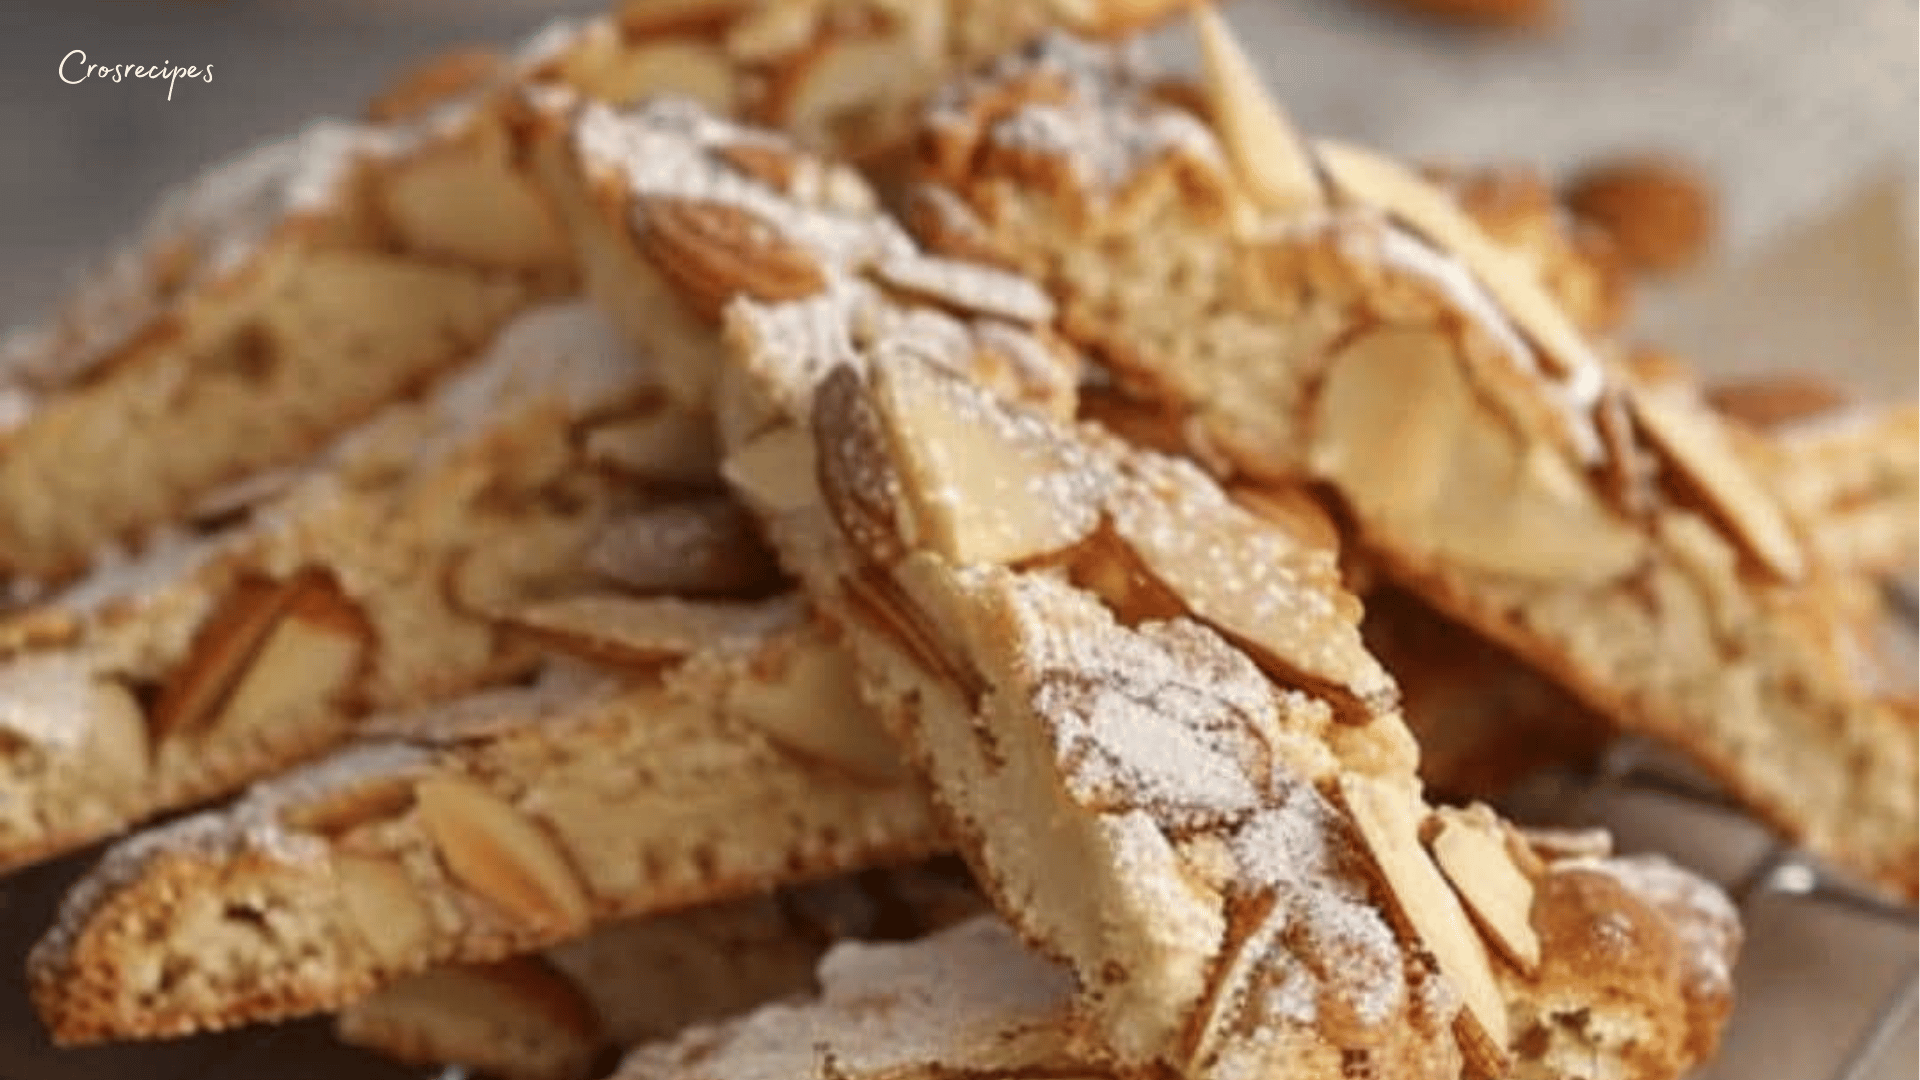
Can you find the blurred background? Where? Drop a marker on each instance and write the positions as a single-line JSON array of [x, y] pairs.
[[1801, 116]]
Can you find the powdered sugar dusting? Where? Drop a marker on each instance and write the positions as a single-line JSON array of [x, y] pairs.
[[969, 1000], [1393, 246], [665, 149], [1700, 914], [1100, 134], [199, 235], [41, 697]]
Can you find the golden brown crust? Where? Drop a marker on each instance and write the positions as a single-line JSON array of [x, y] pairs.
[[489, 827], [993, 570], [1605, 527], [214, 339], [373, 580]]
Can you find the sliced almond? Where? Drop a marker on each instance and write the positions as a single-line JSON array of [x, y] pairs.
[[853, 471], [220, 653], [1776, 400], [806, 697], [774, 472], [467, 200], [1417, 456], [498, 852], [1252, 580], [694, 69], [1259, 139], [1472, 853], [970, 287], [775, 28], [307, 661], [1293, 508], [711, 251], [640, 631], [340, 810], [38, 628], [641, 19], [981, 481], [519, 1018], [381, 900], [705, 547], [1691, 438], [836, 84], [1554, 845], [117, 753], [1388, 814], [662, 443], [1374, 180]]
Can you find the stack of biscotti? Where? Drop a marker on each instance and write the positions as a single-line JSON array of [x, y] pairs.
[[816, 543]]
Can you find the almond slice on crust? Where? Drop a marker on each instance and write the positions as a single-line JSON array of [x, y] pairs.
[[495, 825], [1322, 346], [1272, 160], [1388, 814], [1694, 443], [496, 851], [1472, 850]]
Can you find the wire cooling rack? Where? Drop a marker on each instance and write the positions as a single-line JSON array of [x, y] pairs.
[[1780, 871]]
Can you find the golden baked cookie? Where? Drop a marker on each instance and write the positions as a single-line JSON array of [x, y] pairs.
[[734, 757], [372, 579], [1311, 311], [1129, 693]]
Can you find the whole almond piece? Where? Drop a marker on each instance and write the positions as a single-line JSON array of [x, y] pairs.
[[1498, 14], [1658, 211], [496, 851]]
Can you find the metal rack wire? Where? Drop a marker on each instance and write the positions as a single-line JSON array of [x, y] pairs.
[[1782, 870]]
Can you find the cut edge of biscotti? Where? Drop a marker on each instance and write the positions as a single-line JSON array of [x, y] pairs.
[[1488, 454], [494, 825]]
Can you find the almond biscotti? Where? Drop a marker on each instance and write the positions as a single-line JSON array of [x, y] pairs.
[[1312, 311], [972, 1001], [1149, 721], [549, 1017], [738, 757], [279, 299], [378, 578], [260, 312], [1130, 694]]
